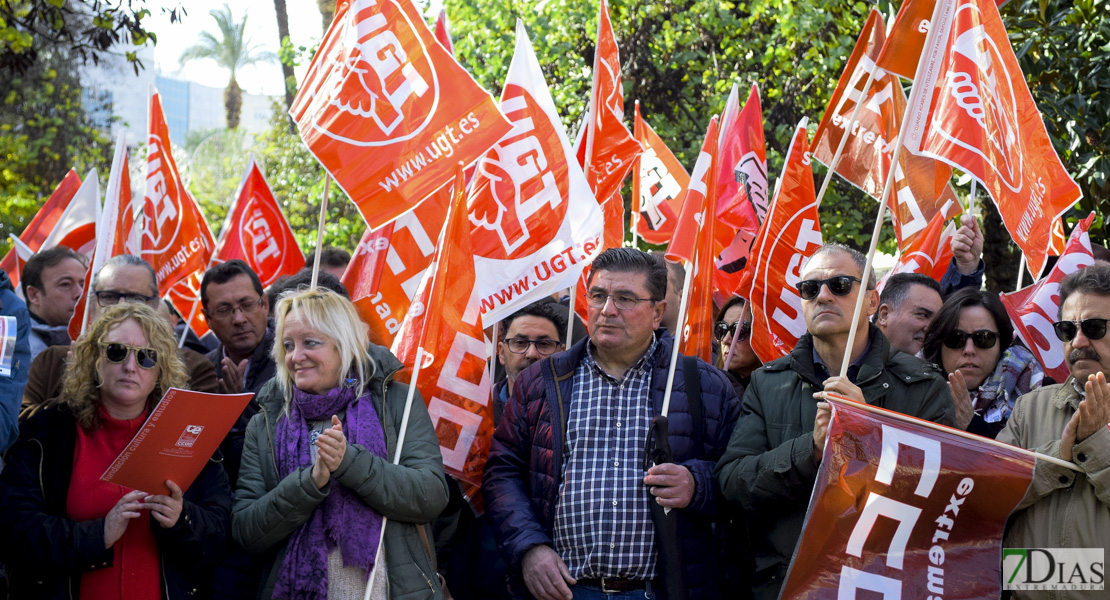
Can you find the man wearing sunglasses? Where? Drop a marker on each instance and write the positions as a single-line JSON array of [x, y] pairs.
[[772, 459], [123, 278], [565, 483], [1064, 508]]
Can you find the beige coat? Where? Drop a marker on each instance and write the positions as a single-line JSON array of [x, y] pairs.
[[1062, 508]]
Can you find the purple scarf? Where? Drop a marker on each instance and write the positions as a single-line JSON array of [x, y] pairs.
[[341, 519]]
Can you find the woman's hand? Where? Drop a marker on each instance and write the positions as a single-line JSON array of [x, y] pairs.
[[331, 445], [166, 509], [115, 522], [965, 412]]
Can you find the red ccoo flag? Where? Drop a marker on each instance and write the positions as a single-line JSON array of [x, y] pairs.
[[387, 111], [741, 182], [930, 252], [658, 186], [972, 109]]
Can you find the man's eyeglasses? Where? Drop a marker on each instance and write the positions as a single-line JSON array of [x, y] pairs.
[[543, 347], [117, 353], [1094, 329], [841, 285], [722, 330], [112, 298], [622, 302], [225, 311], [983, 339]]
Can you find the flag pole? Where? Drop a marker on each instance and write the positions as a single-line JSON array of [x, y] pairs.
[[680, 328], [847, 134], [633, 221], [571, 315], [1021, 272], [917, 91], [320, 230]]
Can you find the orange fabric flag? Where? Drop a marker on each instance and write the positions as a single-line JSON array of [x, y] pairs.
[[972, 109], [175, 237], [608, 150], [387, 110], [790, 234], [389, 263], [658, 186], [444, 322], [44, 222], [698, 209], [902, 50], [257, 233], [185, 297], [930, 253], [443, 32], [921, 187]]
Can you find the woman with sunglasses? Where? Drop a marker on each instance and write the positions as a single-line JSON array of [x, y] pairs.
[[66, 533], [318, 480], [732, 333], [972, 340]]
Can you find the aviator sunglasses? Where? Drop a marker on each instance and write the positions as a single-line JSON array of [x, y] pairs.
[[984, 339], [722, 329], [117, 353], [841, 285], [1094, 329]]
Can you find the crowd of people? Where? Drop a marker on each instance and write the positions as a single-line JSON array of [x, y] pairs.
[[587, 492]]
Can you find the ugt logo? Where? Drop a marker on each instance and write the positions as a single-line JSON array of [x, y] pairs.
[[162, 205], [1053, 569]]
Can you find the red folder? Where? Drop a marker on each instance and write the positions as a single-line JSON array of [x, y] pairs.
[[176, 441]]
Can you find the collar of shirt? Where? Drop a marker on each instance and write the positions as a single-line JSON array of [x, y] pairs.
[[640, 364], [822, 371]]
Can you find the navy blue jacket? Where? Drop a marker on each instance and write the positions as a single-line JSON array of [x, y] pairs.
[[11, 385], [524, 470]]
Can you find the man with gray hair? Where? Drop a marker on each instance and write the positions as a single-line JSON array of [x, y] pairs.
[[775, 451], [1064, 508]]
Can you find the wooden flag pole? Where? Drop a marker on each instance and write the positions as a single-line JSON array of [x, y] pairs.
[[847, 134], [571, 314], [917, 90], [320, 230], [680, 327], [1021, 272]]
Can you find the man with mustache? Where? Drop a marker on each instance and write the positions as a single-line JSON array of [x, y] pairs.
[[772, 459], [565, 483], [1064, 508]]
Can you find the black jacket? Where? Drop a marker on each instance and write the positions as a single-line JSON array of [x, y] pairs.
[[46, 552], [262, 369]]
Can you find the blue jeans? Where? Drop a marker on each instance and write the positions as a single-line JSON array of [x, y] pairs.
[[581, 592]]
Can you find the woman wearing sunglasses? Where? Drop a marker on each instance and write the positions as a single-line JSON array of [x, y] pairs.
[[972, 340], [732, 333], [318, 481], [66, 533]]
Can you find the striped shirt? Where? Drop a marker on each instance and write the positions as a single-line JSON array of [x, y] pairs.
[[603, 525]]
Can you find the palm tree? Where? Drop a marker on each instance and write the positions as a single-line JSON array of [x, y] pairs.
[[232, 50]]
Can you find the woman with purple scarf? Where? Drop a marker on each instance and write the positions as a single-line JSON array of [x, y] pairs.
[[318, 483]]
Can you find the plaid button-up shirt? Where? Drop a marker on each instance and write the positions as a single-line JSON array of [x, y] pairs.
[[603, 525]]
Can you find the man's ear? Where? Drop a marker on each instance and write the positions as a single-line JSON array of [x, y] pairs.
[[657, 317], [872, 302], [881, 316], [34, 296]]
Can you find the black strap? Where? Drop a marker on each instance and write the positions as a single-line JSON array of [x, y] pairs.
[[693, 397]]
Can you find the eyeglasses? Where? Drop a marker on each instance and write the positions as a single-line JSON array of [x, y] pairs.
[[543, 347], [112, 298], [722, 330], [841, 285], [622, 302], [1094, 329], [117, 353], [225, 311], [984, 339]]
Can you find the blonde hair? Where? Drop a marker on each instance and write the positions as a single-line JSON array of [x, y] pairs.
[[81, 390], [335, 318]]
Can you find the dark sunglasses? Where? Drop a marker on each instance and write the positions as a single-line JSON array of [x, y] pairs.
[[841, 285], [722, 329], [111, 298], [982, 338], [1094, 329], [117, 353]]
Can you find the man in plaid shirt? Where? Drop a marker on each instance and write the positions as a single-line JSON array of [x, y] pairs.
[[565, 484]]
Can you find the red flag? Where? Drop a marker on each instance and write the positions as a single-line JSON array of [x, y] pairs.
[[742, 193], [1035, 308], [389, 263], [535, 223], [257, 233], [921, 187], [697, 218], [185, 297], [930, 252], [1059, 239], [387, 111], [175, 236], [43, 223], [658, 186], [445, 323], [903, 508], [443, 32], [902, 50], [789, 235], [972, 109], [609, 149]]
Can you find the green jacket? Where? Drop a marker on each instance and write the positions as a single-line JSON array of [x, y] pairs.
[[769, 469], [268, 509]]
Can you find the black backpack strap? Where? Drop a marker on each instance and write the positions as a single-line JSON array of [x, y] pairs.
[[693, 397]]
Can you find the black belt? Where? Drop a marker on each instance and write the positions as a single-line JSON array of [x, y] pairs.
[[611, 585]]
